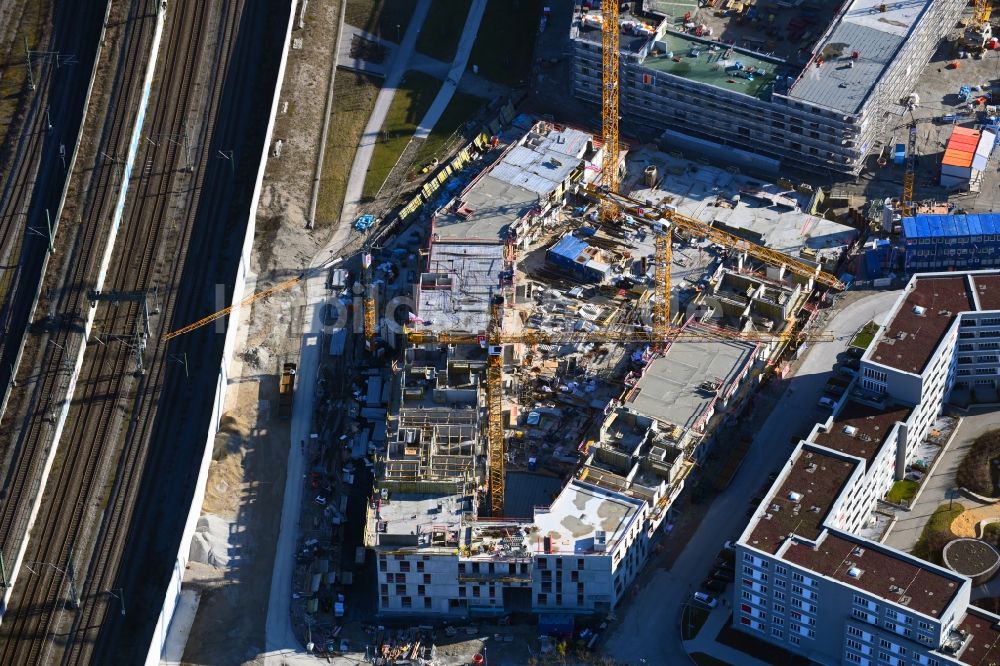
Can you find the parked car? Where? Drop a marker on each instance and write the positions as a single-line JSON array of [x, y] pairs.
[[824, 401], [729, 545], [722, 574], [705, 599], [714, 585], [846, 371]]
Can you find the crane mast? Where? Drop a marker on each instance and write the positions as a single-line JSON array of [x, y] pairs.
[[610, 49]]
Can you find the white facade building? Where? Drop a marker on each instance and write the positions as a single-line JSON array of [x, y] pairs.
[[809, 583], [578, 555]]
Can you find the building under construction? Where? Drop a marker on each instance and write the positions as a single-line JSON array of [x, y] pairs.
[[804, 85], [618, 426]]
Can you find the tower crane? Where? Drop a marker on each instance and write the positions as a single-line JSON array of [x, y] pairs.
[[368, 300], [610, 51], [256, 296], [909, 174]]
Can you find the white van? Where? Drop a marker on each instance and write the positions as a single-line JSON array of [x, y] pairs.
[[826, 402], [706, 600]]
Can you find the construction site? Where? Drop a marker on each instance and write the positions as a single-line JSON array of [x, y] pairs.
[[573, 321]]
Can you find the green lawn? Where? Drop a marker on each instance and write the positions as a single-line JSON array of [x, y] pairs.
[[353, 100], [864, 337], [380, 17], [505, 45], [411, 101], [460, 109], [902, 491], [442, 28], [692, 619], [937, 532]]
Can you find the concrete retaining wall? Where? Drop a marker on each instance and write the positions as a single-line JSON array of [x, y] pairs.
[[173, 591], [116, 221]]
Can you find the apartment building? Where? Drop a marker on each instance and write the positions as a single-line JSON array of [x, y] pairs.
[[436, 557], [943, 334], [803, 560], [819, 104]]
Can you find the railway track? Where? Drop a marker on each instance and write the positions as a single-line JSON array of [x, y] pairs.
[[108, 399], [57, 345], [117, 520], [43, 381]]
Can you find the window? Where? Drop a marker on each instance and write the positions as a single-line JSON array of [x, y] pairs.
[[407, 602], [778, 608], [420, 566], [427, 602], [780, 570], [926, 626], [748, 570], [794, 640], [427, 579], [853, 644], [400, 590], [779, 596], [421, 590], [404, 566], [542, 599], [796, 589], [798, 578], [777, 632], [854, 631], [853, 658], [780, 583]]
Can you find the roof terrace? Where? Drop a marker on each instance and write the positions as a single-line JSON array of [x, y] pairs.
[[983, 645], [861, 430], [714, 63], [887, 574], [920, 323], [802, 501], [584, 518], [988, 291]]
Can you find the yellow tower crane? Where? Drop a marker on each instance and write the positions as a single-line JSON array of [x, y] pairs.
[[610, 50]]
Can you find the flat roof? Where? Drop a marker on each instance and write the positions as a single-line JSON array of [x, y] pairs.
[[492, 206], [855, 52], [920, 322], [580, 511], [944, 226], [454, 293], [518, 181], [417, 513], [716, 64], [802, 501], [695, 192], [861, 430], [884, 573], [984, 638], [988, 291], [670, 386]]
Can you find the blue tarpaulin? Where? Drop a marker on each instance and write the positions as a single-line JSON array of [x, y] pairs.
[[945, 226], [873, 264]]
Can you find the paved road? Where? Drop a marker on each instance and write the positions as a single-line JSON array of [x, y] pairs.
[[794, 415], [363, 156], [940, 487], [451, 82], [282, 645]]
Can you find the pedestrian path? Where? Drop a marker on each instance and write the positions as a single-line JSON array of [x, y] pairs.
[[458, 65], [366, 146], [705, 641]]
